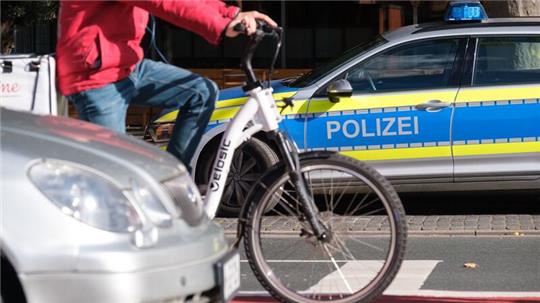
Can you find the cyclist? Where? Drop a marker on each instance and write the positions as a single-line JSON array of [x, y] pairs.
[[101, 67]]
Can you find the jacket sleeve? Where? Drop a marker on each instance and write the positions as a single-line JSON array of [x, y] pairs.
[[207, 18], [224, 10]]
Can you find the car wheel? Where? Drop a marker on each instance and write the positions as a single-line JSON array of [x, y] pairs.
[[250, 161]]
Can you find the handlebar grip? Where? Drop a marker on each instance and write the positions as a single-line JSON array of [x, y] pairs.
[[239, 28], [261, 26], [267, 29]]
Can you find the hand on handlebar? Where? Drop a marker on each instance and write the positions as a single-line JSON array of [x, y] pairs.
[[249, 23]]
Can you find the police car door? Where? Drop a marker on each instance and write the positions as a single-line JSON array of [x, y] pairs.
[[400, 112], [496, 132]]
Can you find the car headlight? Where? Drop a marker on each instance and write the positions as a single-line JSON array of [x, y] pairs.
[[85, 195], [151, 205], [187, 199]]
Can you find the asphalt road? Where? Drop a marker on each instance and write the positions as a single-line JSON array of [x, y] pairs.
[[507, 266], [507, 263]]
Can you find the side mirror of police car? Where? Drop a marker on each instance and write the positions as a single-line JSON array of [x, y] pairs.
[[339, 89]]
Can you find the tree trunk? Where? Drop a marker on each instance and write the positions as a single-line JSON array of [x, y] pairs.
[[526, 55], [6, 37], [512, 8]]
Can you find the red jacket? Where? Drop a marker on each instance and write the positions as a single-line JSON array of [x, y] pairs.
[[99, 41]]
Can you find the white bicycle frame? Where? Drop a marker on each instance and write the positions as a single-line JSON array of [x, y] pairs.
[[259, 113]]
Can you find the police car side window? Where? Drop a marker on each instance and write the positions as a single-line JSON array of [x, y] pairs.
[[418, 65], [507, 60]]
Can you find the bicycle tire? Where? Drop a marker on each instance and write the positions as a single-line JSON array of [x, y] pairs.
[[268, 186]]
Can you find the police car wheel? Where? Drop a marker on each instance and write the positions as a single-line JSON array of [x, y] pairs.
[[249, 163]]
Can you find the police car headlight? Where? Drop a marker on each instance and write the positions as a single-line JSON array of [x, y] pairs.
[[187, 199], [86, 195]]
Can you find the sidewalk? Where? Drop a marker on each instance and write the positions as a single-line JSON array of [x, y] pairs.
[[473, 225]]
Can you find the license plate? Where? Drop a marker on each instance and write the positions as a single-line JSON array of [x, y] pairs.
[[228, 274]]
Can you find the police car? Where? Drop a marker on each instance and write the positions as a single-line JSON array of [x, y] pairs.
[[452, 106]]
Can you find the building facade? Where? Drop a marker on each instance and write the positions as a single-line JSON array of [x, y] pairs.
[[315, 30]]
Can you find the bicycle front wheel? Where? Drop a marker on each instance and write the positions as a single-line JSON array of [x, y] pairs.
[[365, 220]]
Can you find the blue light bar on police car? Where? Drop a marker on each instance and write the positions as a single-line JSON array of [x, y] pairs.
[[465, 11]]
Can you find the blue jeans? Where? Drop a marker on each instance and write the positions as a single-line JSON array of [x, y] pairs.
[[154, 84]]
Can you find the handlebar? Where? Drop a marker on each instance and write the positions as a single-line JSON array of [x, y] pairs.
[[263, 30], [262, 26]]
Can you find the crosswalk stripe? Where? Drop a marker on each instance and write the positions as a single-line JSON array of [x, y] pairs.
[[410, 278], [408, 282]]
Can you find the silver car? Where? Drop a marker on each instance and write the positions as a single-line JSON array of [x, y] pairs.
[[89, 215]]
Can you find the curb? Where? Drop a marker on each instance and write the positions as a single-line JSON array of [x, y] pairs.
[[418, 233]]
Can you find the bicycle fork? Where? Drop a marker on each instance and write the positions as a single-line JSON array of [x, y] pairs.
[[292, 161]]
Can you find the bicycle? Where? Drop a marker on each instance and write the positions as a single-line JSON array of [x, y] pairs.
[[326, 237]]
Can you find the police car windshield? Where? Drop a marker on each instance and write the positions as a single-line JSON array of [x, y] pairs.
[[321, 71]]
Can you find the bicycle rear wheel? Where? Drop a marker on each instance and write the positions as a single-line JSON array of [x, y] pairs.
[[367, 227]]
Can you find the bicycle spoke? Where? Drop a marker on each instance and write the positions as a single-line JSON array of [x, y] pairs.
[[351, 203], [345, 267], [332, 202], [338, 269], [293, 198], [343, 250], [349, 254], [342, 193], [358, 205], [366, 244], [361, 205], [310, 183], [286, 205], [324, 194], [374, 211], [280, 198]]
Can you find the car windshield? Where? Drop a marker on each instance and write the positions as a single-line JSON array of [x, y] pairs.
[[321, 71]]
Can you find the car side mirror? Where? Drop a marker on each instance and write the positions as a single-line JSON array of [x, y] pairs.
[[339, 89]]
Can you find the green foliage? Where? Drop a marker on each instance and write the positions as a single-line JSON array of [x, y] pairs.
[[22, 13], [27, 12]]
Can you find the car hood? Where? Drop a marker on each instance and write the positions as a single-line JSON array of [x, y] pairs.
[[233, 98], [118, 155]]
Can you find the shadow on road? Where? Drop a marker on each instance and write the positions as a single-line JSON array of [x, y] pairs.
[[471, 203]]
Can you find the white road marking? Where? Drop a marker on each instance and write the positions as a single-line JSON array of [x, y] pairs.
[[358, 273], [338, 270], [411, 276], [408, 282]]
